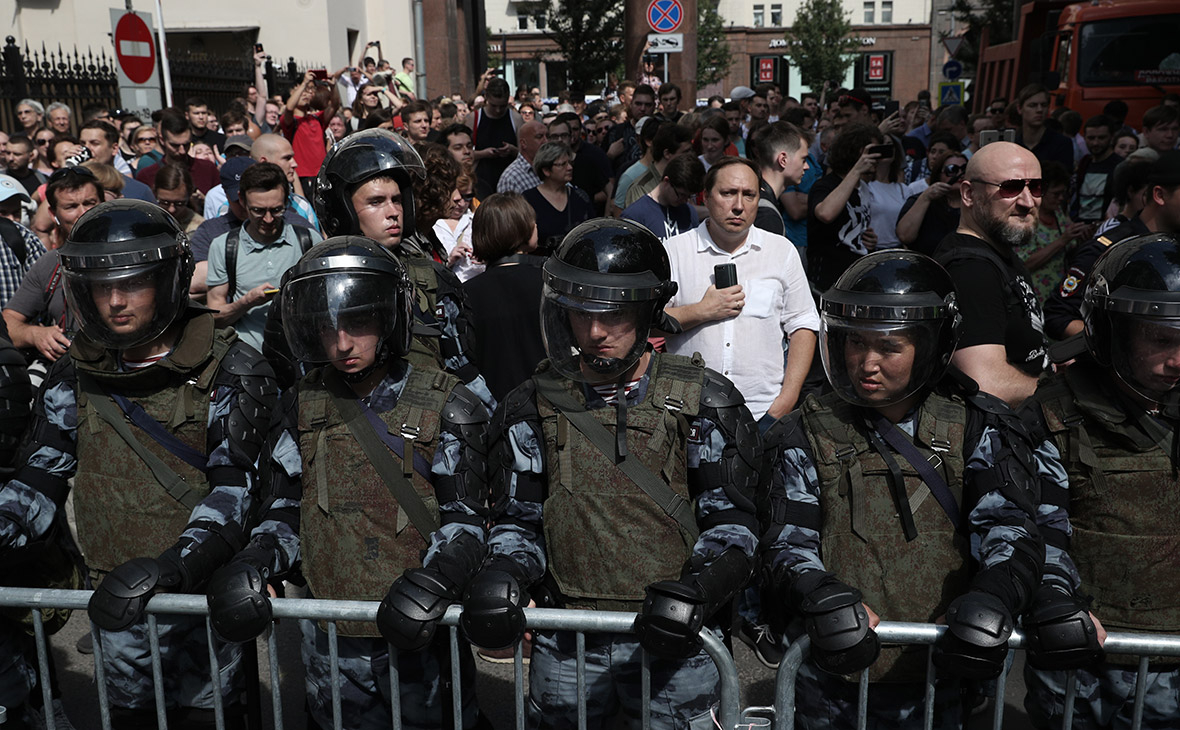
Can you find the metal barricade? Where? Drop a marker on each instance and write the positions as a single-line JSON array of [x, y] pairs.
[[581, 622], [897, 633]]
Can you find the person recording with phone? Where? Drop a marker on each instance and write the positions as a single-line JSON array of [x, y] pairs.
[[838, 227]]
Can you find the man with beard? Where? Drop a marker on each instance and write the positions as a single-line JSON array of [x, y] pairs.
[[1003, 345]]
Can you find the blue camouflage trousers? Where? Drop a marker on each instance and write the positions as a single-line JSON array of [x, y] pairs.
[[184, 655], [684, 694], [1105, 698], [365, 700], [827, 702]]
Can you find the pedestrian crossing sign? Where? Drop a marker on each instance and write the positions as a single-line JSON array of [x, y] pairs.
[[950, 92]]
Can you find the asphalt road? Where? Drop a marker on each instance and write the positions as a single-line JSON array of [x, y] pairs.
[[80, 698]]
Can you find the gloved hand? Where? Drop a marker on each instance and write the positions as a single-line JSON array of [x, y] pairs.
[[239, 603], [493, 607], [1061, 633], [842, 641], [975, 643]]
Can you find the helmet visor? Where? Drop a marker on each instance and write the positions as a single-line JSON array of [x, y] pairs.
[[1145, 354], [877, 364], [344, 318], [590, 340], [128, 305]]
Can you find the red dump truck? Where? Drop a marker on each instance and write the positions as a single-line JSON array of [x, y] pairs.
[[1087, 54]]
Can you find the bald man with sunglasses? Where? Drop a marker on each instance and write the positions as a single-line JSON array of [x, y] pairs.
[[1002, 345]]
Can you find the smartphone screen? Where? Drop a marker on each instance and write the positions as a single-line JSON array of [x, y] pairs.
[[884, 150]]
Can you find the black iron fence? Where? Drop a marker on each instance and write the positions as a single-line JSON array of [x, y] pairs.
[[81, 79]]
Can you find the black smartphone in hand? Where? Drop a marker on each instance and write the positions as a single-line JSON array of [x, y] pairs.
[[725, 275]]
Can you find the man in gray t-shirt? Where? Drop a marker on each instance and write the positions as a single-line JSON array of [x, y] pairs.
[[266, 247]]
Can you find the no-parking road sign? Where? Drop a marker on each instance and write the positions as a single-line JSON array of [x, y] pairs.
[[665, 16]]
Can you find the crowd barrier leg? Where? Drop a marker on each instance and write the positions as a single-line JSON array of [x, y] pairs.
[[518, 678], [276, 695], [43, 669], [157, 672], [215, 671]]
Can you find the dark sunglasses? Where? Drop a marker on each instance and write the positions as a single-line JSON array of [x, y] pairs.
[[467, 196], [954, 171], [1012, 188], [65, 172], [996, 110], [43, 142]]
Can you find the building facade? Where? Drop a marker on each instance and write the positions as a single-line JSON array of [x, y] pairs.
[[898, 48]]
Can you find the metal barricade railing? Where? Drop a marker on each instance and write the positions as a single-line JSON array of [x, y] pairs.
[[581, 622], [899, 633]]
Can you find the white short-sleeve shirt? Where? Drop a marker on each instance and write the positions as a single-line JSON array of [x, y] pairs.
[[748, 348]]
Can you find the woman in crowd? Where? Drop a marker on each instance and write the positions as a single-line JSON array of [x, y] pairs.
[[505, 299], [368, 100], [43, 149], [145, 144], [557, 202], [713, 140], [454, 231], [1044, 254], [108, 177], [337, 129], [1125, 143], [309, 108], [433, 196], [203, 151], [887, 194], [926, 218]]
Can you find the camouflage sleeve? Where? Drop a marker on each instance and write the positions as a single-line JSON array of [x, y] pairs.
[[792, 542], [240, 410], [1005, 541], [460, 471], [517, 485], [283, 486], [31, 499], [1053, 518], [725, 514]]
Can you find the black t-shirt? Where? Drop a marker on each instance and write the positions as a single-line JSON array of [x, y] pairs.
[[832, 247], [505, 304], [553, 224], [939, 221], [1093, 188], [592, 169], [996, 300], [29, 178], [211, 138], [491, 132]]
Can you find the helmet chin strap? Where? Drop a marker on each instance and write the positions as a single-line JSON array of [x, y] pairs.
[[383, 357], [602, 365]]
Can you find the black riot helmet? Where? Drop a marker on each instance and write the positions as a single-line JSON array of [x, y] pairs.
[[605, 271], [359, 158], [888, 309], [1132, 314], [119, 250], [347, 288]]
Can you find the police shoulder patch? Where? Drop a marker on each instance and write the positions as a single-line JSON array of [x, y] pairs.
[[1073, 279]]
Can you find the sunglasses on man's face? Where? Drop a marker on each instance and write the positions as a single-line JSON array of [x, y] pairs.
[[996, 110], [1012, 188]]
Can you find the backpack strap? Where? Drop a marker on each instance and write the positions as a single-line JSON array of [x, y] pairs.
[[304, 237], [14, 240]]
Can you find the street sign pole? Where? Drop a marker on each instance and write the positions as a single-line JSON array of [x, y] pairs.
[[163, 46]]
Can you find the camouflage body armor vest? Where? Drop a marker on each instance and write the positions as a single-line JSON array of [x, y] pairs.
[[862, 540], [605, 538], [122, 511], [347, 509], [425, 351], [1123, 502]]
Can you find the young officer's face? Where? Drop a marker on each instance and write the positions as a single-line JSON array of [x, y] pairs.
[[352, 346], [126, 306], [880, 365]]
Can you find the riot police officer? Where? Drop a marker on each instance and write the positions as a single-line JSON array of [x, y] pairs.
[[366, 187], [159, 417], [622, 480], [1107, 461], [886, 492], [378, 462]]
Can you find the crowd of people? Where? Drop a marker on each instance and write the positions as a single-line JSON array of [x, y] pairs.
[[770, 367]]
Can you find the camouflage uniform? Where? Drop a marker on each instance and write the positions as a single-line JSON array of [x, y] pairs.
[[568, 517], [831, 510], [123, 512], [1108, 501], [335, 522]]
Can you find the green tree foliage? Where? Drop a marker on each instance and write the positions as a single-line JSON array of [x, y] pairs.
[[590, 35], [713, 56], [995, 15], [819, 44]]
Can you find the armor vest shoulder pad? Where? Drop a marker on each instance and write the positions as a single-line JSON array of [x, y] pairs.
[[1058, 410], [422, 273], [719, 391], [828, 423], [463, 408], [519, 405]]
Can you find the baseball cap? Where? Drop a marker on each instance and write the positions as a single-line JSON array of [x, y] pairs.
[[859, 96], [231, 175], [641, 123], [741, 92], [239, 140], [9, 187]]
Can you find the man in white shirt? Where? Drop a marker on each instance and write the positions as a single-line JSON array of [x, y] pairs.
[[739, 329]]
